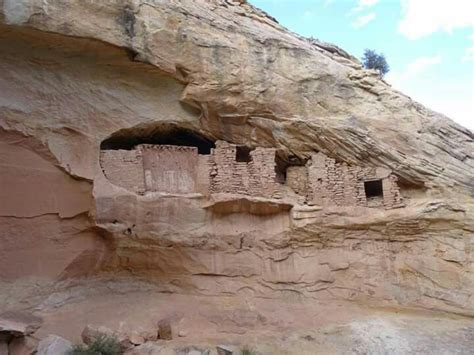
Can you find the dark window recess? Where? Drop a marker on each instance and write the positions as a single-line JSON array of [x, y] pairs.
[[243, 154], [373, 188], [280, 169]]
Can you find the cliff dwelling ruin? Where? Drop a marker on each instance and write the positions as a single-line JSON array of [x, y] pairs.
[[181, 165]]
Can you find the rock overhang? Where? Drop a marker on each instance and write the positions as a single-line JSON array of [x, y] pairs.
[[277, 91]]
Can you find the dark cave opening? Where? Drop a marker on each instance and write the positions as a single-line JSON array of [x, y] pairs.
[[128, 139]]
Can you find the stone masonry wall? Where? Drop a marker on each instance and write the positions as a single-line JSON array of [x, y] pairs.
[[170, 168], [331, 183], [263, 179], [179, 169], [256, 178], [391, 192], [124, 168], [203, 179], [222, 168], [297, 179]]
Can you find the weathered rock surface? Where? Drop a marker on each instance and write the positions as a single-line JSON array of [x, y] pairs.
[[54, 345], [3, 348], [74, 74], [18, 324], [23, 345]]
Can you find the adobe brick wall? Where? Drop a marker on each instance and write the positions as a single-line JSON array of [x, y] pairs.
[[124, 168], [169, 168]]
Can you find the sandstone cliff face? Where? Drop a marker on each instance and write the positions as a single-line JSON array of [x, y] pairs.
[[75, 73]]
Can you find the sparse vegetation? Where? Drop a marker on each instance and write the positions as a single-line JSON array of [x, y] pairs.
[[373, 60], [247, 351], [102, 345]]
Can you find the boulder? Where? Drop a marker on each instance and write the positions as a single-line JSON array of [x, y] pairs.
[[148, 335], [182, 333], [22, 345], [225, 350], [136, 339], [54, 345], [18, 323]]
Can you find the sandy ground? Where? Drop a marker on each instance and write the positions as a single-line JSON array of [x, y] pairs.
[[268, 326]]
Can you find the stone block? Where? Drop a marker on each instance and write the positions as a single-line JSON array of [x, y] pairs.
[[225, 350], [18, 323]]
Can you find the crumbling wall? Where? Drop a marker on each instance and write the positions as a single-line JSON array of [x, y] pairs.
[[297, 179], [169, 168], [179, 169], [256, 178], [324, 181], [263, 179], [203, 179], [124, 168], [391, 192], [332, 183], [222, 168]]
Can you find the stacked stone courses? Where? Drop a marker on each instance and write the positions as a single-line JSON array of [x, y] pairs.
[[169, 168], [256, 178], [332, 183], [180, 169], [124, 168]]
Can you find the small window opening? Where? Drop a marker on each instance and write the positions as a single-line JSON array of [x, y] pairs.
[[243, 154], [373, 189]]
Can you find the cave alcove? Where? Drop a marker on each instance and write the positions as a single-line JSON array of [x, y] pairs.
[[128, 139]]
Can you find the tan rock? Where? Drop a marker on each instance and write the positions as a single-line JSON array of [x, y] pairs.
[[149, 335], [19, 323], [79, 79], [23, 345], [54, 345], [225, 350], [136, 339], [183, 333]]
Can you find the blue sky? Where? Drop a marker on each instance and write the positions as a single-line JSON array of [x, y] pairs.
[[429, 44]]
